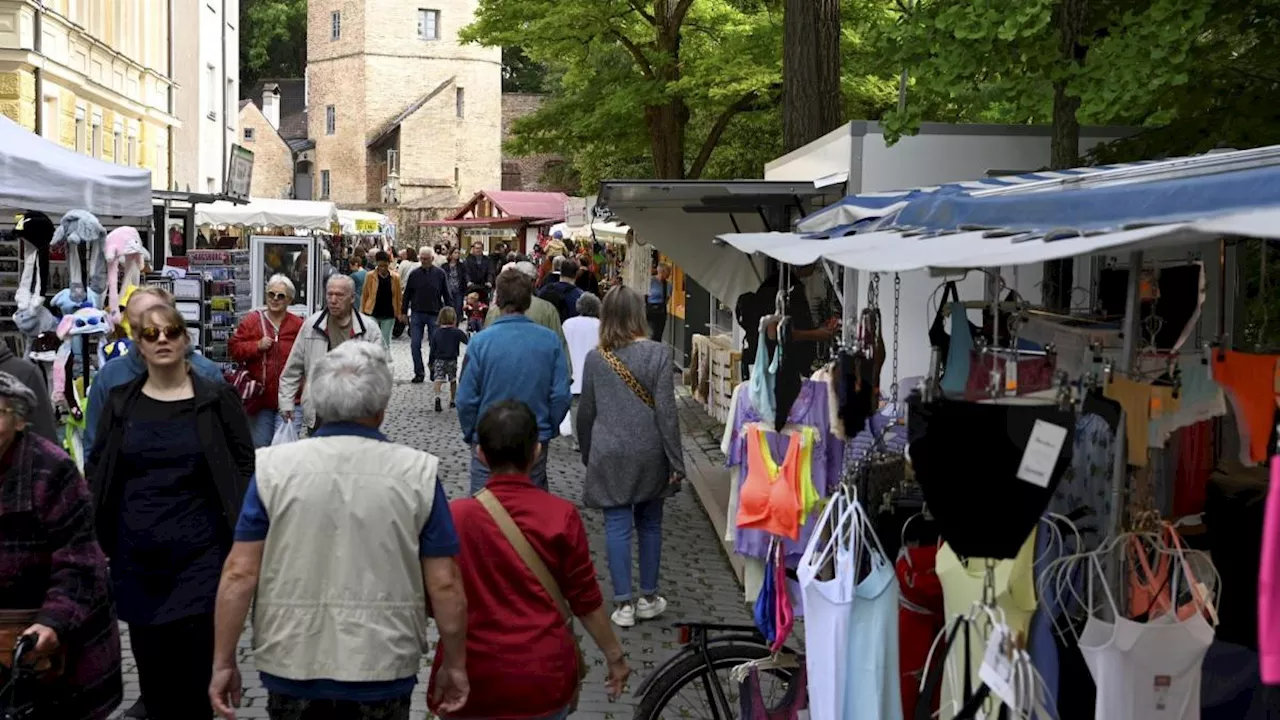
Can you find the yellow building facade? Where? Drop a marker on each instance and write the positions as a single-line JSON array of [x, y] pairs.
[[92, 76]]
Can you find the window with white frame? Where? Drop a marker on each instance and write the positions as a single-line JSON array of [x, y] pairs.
[[117, 143], [95, 137], [330, 120], [81, 128], [335, 25], [50, 118], [428, 24], [211, 74], [131, 149], [324, 184], [231, 102], [460, 101]]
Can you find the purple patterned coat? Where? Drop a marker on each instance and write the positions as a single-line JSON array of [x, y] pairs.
[[50, 559]]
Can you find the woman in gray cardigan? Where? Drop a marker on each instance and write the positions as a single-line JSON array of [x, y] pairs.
[[630, 437]]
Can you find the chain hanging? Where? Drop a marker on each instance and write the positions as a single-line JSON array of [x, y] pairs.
[[897, 305], [873, 292]]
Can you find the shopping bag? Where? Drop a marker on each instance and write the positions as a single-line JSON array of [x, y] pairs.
[[566, 425], [286, 433]]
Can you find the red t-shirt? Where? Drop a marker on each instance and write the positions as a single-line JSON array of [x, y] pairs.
[[521, 661]]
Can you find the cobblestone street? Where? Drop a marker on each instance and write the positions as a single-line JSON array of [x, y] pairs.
[[697, 580]]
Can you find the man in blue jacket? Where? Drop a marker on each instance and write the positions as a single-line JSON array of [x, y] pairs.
[[122, 370], [514, 359]]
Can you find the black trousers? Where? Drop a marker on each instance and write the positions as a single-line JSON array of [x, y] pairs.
[[285, 707], [175, 664], [657, 317]]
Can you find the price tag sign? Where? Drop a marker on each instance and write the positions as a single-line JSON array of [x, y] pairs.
[[997, 667], [1041, 453]]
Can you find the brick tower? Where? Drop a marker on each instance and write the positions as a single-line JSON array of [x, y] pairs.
[[400, 111]]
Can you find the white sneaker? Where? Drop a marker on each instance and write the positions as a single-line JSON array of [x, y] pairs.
[[646, 610], [624, 616]]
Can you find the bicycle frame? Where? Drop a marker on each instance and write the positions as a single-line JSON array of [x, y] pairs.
[[698, 643]]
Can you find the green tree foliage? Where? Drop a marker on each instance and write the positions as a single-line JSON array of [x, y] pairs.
[[666, 88], [273, 40], [522, 75], [1194, 74]]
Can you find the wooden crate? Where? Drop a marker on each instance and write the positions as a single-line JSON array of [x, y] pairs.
[[726, 373]]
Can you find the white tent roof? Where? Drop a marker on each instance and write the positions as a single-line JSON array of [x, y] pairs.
[[36, 174], [268, 212], [347, 219]]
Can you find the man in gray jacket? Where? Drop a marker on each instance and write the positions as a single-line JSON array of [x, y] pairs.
[[29, 374], [339, 322]]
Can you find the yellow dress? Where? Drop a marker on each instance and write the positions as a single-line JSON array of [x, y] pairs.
[[962, 587]]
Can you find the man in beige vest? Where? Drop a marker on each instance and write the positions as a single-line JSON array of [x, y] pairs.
[[345, 545]]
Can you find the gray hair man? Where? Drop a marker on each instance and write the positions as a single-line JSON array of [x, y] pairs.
[[345, 546], [540, 311], [336, 324], [39, 414]]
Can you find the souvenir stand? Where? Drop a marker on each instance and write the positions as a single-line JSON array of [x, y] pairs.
[[71, 230], [1054, 481], [361, 229]]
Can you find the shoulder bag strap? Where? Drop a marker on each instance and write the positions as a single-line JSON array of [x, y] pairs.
[[629, 378], [524, 550]]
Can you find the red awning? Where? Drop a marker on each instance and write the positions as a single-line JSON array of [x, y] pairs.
[[477, 222]]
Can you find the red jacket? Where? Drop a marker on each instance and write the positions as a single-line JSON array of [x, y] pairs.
[[521, 662], [265, 366]]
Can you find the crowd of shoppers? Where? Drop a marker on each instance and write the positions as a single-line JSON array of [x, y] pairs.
[[344, 542]]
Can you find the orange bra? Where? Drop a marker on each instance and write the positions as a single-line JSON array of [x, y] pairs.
[[1152, 596], [770, 496]]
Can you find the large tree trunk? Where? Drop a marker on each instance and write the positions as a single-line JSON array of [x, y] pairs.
[[667, 122], [811, 103], [1064, 151]]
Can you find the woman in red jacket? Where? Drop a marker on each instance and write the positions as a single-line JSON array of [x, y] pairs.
[[261, 345]]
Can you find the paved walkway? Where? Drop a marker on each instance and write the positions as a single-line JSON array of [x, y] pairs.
[[696, 578]]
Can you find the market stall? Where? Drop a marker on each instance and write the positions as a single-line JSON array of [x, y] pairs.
[[71, 238], [1048, 478], [519, 220]]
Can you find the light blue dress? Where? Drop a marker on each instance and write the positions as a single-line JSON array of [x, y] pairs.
[[872, 677]]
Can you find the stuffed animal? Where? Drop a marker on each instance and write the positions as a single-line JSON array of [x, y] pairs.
[[36, 231], [34, 321], [123, 247], [79, 228], [68, 300], [82, 323]]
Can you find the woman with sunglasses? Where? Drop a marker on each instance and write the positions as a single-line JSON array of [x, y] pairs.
[[170, 464], [261, 344]]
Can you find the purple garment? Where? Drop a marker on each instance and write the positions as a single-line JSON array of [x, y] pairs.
[[810, 408]]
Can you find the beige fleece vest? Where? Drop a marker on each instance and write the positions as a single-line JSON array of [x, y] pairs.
[[340, 593]]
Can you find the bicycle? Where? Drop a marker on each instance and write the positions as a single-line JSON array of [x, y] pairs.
[[708, 650]]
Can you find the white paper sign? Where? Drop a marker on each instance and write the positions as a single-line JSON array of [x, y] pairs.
[[1041, 454], [997, 668]]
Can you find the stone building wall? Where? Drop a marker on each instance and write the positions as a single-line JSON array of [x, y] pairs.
[[272, 157], [525, 173]]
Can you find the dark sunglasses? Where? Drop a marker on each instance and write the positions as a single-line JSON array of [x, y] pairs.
[[172, 332], [276, 296]]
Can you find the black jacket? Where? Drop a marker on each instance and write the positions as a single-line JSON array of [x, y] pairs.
[[427, 290], [224, 433], [478, 270]]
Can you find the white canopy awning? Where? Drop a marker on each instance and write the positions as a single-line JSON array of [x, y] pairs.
[[903, 251], [362, 222], [269, 212], [37, 174]]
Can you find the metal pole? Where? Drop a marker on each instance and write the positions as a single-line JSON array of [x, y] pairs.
[[1132, 329]]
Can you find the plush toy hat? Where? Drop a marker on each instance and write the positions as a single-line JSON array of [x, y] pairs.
[[80, 228], [123, 245], [85, 321]]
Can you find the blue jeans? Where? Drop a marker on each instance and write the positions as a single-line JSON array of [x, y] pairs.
[[420, 324], [263, 425], [647, 518], [480, 473]]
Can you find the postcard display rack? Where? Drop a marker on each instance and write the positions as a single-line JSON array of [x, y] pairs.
[[225, 288]]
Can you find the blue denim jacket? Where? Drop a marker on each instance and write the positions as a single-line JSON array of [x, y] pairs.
[[515, 359], [123, 370]]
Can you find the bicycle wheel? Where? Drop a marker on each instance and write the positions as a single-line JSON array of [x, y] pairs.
[[688, 682]]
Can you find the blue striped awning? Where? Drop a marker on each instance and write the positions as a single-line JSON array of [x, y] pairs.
[[855, 212]]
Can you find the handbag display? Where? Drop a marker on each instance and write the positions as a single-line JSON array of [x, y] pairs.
[[539, 569]]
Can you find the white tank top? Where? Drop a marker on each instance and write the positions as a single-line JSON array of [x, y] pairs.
[[828, 609], [1145, 671]]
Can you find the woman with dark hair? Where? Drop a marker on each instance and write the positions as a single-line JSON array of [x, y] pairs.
[[172, 459], [54, 586], [629, 433], [455, 276]]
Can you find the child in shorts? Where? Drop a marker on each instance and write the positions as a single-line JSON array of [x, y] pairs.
[[446, 347]]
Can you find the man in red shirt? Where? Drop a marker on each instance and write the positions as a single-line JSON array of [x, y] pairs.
[[521, 656]]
